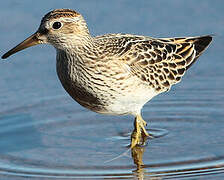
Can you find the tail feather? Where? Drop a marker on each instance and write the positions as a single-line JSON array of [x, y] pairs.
[[200, 44]]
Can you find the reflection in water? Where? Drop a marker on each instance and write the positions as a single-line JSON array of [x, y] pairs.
[[176, 169], [137, 156]]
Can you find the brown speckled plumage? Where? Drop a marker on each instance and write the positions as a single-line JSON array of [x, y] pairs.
[[114, 73], [156, 63]]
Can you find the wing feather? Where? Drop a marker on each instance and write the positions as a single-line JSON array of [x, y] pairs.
[[162, 63], [158, 62]]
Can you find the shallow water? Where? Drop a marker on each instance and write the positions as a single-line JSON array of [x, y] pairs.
[[44, 134]]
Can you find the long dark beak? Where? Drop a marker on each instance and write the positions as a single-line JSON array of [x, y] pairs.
[[30, 41]]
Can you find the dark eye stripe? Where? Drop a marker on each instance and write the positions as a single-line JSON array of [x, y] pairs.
[[44, 31]]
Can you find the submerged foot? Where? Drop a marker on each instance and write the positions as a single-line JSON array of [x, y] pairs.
[[139, 134]]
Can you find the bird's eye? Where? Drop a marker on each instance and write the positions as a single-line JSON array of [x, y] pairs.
[[56, 25]]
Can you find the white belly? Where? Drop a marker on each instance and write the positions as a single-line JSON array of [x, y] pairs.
[[131, 103]]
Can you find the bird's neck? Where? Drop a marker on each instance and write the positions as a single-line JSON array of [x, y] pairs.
[[80, 51], [84, 46]]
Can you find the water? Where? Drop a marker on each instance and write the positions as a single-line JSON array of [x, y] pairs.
[[44, 134]]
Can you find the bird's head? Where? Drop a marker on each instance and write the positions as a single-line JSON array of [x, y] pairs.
[[62, 28]]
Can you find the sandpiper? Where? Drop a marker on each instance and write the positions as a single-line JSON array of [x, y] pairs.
[[114, 73]]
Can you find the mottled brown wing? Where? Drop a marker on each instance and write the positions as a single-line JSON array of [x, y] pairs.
[[162, 62]]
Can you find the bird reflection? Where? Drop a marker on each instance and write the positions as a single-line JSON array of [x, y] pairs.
[[137, 156]]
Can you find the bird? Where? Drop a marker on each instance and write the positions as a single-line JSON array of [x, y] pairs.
[[115, 74]]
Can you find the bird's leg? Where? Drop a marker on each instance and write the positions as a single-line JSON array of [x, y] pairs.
[[139, 134]]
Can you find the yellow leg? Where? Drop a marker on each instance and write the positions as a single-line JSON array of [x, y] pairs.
[[139, 134]]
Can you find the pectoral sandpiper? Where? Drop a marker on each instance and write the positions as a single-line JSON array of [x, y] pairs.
[[114, 73]]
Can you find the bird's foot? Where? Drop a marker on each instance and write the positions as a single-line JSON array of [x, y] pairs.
[[139, 134]]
